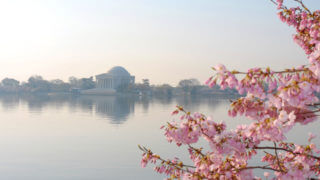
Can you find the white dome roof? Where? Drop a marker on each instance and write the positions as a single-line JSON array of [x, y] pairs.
[[118, 71]]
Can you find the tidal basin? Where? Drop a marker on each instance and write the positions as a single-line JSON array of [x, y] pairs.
[[95, 137]]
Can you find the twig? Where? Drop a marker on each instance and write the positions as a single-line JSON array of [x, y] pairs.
[[287, 150], [276, 153], [304, 7], [142, 148], [274, 2], [197, 150], [260, 167]]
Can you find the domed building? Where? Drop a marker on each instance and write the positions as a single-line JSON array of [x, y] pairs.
[[114, 78], [108, 83]]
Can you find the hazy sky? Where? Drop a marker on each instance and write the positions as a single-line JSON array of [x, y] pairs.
[[163, 40]]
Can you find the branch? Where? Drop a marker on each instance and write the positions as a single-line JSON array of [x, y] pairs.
[[197, 150], [274, 2], [304, 7], [309, 112], [148, 151], [260, 167], [314, 104], [282, 7], [276, 153], [287, 150], [274, 72]]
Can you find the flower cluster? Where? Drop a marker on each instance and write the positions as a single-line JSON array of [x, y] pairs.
[[275, 101]]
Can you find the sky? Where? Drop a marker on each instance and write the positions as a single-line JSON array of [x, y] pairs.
[[162, 40]]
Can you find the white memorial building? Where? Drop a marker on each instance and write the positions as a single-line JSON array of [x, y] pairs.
[[108, 83], [114, 78]]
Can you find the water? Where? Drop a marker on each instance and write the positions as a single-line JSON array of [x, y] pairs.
[[92, 137]]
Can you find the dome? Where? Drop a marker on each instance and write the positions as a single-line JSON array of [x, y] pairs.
[[118, 71]]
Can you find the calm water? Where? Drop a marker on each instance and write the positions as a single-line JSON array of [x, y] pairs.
[[64, 137]]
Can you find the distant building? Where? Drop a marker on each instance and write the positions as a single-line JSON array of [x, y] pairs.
[[114, 78], [110, 82]]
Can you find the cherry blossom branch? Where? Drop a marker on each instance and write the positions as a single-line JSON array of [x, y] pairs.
[[302, 5], [314, 104], [309, 112], [261, 167], [276, 100], [274, 2], [197, 150], [178, 166], [276, 153], [287, 150], [281, 7], [273, 72]]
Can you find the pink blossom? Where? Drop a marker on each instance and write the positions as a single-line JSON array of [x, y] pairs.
[[311, 136], [274, 101]]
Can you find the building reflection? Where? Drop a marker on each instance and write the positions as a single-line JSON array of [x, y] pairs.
[[115, 109]]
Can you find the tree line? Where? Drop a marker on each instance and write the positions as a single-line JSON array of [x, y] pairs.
[[185, 87], [37, 84]]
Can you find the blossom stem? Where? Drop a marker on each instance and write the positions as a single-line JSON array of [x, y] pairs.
[[287, 150]]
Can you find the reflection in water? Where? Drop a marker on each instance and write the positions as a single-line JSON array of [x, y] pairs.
[[114, 108], [36, 103], [10, 102], [70, 137], [145, 101]]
